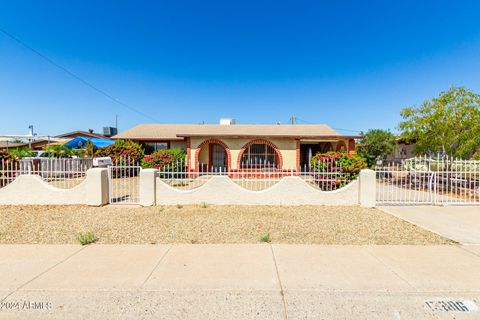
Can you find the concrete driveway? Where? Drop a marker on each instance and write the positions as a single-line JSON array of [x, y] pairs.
[[239, 282], [459, 223]]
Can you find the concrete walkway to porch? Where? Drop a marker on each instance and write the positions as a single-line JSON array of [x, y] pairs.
[[239, 282], [459, 223]]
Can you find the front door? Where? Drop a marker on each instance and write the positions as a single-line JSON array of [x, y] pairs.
[[219, 158]]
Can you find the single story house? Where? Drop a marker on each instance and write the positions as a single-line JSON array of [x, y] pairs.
[[234, 147], [10, 145], [403, 150], [40, 143]]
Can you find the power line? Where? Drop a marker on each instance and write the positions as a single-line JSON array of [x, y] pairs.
[[308, 122], [70, 73], [350, 130], [304, 121]]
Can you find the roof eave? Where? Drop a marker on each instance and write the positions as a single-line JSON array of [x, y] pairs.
[[336, 136], [116, 137]]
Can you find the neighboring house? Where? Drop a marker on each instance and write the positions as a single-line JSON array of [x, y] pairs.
[[42, 143], [403, 150], [39, 145], [10, 145], [238, 146]]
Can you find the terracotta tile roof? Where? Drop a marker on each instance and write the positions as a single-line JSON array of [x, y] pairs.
[[178, 131]]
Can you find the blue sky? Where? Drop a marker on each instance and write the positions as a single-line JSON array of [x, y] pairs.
[[350, 64]]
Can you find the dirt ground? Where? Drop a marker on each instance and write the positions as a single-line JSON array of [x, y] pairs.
[[343, 225]]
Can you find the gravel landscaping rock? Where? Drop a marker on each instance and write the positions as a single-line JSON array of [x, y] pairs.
[[344, 225]]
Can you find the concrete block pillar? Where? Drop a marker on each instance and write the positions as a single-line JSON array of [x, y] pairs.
[[147, 187], [367, 189], [97, 187]]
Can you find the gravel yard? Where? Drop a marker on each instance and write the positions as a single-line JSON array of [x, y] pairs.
[[209, 224]]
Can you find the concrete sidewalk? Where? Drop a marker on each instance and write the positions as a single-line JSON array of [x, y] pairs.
[[239, 282], [459, 223]]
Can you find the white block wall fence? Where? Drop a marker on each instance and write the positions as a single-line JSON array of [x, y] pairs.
[[31, 189], [426, 180], [151, 187], [290, 190]]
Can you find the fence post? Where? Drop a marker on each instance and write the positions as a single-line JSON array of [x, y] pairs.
[[97, 187], [147, 187], [367, 189]]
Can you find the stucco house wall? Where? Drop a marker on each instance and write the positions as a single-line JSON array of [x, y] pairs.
[[290, 141], [287, 149], [176, 144]]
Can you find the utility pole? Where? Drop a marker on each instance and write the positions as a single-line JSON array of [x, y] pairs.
[[30, 128], [116, 122], [293, 119]]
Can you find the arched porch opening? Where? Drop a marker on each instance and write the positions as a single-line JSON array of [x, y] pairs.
[[258, 154], [212, 155], [341, 146], [326, 147]]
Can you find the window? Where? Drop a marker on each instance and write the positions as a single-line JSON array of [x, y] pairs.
[[151, 147], [259, 154]]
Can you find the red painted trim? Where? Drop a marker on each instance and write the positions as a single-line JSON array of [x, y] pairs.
[[210, 156], [188, 153], [269, 143], [213, 141], [351, 146], [298, 153]]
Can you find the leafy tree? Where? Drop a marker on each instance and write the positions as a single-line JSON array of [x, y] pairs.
[[448, 124], [376, 145]]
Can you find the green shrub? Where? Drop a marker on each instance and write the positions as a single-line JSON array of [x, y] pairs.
[[20, 153], [265, 237], [179, 206], [476, 155], [346, 166], [86, 238], [122, 151], [166, 160]]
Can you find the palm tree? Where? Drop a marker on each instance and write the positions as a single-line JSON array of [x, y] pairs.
[[58, 151]]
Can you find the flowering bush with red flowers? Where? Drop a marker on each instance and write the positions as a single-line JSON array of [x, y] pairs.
[[166, 160], [7, 161], [333, 170], [122, 152], [6, 158]]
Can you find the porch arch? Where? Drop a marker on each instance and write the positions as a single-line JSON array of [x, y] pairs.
[[213, 141], [341, 145], [278, 153], [327, 146]]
